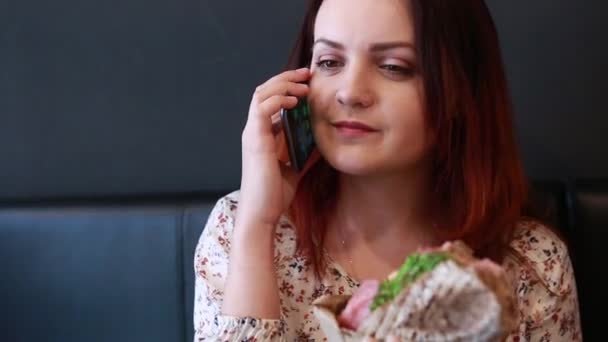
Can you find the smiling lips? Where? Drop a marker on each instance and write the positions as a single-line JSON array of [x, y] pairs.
[[353, 129]]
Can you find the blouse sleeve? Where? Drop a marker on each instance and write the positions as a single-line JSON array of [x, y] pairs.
[[211, 266], [545, 287]]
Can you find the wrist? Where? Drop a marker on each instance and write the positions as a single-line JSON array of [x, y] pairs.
[[250, 221], [249, 236]]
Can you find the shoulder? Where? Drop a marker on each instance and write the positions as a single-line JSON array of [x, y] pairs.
[[227, 205], [541, 272], [540, 253], [221, 219], [213, 247]]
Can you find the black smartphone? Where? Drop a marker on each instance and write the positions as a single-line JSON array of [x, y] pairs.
[[298, 133]]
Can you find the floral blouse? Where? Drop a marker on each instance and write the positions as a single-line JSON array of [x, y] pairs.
[[538, 265]]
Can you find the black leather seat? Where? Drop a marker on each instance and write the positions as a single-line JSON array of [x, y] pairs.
[[589, 238], [109, 271]]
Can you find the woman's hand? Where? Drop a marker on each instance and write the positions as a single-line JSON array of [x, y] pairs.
[[267, 189], [268, 186]]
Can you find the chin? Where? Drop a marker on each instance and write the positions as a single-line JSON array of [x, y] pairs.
[[353, 164], [369, 164]]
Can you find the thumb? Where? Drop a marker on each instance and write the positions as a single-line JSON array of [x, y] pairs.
[[315, 156], [293, 177]]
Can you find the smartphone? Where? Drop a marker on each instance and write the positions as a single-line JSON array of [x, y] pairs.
[[298, 133]]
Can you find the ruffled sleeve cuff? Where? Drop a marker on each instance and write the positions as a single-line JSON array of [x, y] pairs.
[[232, 328]]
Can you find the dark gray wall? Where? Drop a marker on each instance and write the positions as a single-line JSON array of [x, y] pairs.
[[115, 97], [556, 54]]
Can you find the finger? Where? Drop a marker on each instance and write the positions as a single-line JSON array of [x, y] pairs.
[[281, 88], [276, 117], [260, 119], [291, 178], [282, 152], [277, 124], [290, 174], [298, 75], [274, 104]]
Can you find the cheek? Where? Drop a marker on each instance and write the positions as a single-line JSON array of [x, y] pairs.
[[320, 100], [410, 136], [408, 129]]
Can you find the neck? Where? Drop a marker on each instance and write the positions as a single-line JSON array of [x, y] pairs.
[[390, 206]]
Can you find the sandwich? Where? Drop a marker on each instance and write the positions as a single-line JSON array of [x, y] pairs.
[[441, 294]]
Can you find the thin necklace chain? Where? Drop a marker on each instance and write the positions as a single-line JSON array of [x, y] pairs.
[[351, 269], [345, 251]]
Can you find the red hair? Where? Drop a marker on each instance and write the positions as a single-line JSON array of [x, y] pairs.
[[480, 189]]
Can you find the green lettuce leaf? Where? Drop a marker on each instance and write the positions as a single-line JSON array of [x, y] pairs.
[[414, 266]]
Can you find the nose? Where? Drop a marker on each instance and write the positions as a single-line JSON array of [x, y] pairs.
[[356, 88]]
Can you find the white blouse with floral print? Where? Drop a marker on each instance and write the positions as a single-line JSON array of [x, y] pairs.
[[538, 264]]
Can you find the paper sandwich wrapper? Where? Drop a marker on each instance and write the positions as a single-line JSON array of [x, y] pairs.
[[451, 303]]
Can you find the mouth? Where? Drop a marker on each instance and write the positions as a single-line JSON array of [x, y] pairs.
[[353, 129]]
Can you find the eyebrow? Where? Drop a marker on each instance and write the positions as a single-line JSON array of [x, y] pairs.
[[377, 47]]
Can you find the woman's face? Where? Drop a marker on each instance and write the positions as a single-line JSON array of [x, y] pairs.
[[364, 73]]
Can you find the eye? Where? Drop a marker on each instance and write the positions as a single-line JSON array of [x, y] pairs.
[[397, 69], [329, 64]]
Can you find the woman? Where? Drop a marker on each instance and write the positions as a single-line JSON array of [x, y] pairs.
[[412, 121]]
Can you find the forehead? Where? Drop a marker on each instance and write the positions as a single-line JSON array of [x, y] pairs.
[[361, 22]]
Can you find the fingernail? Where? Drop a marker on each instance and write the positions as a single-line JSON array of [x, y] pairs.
[[303, 70]]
